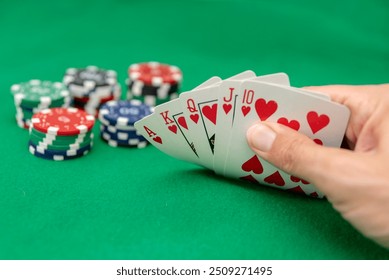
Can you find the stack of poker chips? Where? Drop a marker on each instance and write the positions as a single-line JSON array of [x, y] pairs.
[[153, 83], [36, 95], [91, 87], [61, 133], [117, 120]]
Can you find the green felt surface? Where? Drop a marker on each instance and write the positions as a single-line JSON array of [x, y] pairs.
[[119, 203]]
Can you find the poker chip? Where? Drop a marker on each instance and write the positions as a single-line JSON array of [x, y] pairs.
[[36, 92], [153, 83], [36, 95], [138, 88], [62, 121], [90, 77], [120, 135], [62, 146], [43, 137], [22, 123], [68, 152], [124, 113], [134, 143], [56, 157], [61, 133], [114, 129], [91, 87], [155, 73], [117, 120]]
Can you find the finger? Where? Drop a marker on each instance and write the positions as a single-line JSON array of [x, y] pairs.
[[374, 136], [337, 93], [380, 122], [298, 155], [370, 131], [384, 137]]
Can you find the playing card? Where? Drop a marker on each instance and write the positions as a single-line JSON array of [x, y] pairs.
[[314, 94], [211, 81], [228, 92], [282, 79], [323, 121], [200, 109], [165, 128]]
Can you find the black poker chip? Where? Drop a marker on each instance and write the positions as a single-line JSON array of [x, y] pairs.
[[90, 77]]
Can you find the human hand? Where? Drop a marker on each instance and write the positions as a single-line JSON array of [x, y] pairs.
[[355, 180]]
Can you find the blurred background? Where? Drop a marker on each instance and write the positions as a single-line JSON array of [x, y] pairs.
[[315, 42]]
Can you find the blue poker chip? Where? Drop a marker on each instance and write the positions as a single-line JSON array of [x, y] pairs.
[[65, 154], [115, 129], [123, 139], [130, 143], [123, 113], [120, 135], [56, 157]]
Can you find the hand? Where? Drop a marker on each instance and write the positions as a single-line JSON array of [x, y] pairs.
[[355, 180]]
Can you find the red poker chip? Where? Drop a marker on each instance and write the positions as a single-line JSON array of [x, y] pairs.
[[63, 121], [155, 73]]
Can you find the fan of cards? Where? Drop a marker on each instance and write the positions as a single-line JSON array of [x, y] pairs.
[[207, 125]]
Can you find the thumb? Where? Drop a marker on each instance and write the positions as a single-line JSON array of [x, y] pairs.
[[298, 155]]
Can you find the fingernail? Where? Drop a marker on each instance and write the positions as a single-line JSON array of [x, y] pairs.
[[261, 137]]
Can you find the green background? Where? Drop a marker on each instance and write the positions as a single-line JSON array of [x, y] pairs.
[[141, 204]]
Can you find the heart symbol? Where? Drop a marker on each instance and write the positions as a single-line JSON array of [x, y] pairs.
[[292, 124], [297, 189], [297, 179], [210, 112], [254, 165], [158, 139], [245, 110], [181, 120], [318, 141], [275, 179], [173, 128], [317, 122], [227, 108], [265, 109], [194, 118], [249, 178]]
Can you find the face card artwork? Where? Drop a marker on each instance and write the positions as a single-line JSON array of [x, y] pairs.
[[165, 128], [201, 108], [196, 120], [173, 121], [163, 138], [321, 120]]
